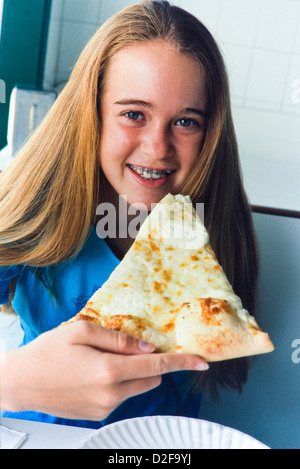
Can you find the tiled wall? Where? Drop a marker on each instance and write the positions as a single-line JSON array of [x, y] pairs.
[[72, 24], [261, 43], [260, 40]]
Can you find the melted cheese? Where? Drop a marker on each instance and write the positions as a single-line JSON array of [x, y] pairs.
[[170, 289], [170, 263]]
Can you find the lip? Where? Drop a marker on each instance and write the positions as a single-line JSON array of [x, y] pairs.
[[147, 182]]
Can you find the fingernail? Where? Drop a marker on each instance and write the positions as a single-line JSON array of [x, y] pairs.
[[202, 366], [146, 346]]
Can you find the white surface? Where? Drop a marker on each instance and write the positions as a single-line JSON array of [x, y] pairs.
[[47, 436], [168, 432], [11, 439]]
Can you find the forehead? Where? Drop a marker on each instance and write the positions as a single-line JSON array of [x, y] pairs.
[[153, 69]]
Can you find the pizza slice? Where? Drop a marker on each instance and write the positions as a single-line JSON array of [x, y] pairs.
[[170, 290]]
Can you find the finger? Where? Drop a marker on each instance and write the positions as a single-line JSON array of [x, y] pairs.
[[108, 340], [135, 387], [157, 364]]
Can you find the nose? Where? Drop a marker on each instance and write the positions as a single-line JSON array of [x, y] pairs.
[[156, 142]]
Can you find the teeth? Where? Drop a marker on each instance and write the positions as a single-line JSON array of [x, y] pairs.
[[149, 174]]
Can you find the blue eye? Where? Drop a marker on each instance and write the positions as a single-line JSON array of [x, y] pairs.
[[133, 115], [187, 122]]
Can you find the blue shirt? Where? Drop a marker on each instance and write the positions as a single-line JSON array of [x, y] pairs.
[[75, 282]]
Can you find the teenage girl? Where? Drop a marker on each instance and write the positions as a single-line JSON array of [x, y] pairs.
[[148, 95]]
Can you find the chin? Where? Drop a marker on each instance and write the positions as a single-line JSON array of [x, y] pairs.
[[147, 201]]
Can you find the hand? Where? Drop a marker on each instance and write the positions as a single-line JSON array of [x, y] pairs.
[[83, 371]]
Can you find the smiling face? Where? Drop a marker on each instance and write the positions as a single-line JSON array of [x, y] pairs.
[[153, 121]]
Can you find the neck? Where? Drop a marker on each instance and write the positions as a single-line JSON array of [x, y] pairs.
[[118, 223], [119, 246]]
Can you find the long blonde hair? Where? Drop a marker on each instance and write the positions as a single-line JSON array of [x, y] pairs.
[[49, 194]]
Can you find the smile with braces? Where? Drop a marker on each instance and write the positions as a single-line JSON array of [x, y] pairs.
[[150, 174]]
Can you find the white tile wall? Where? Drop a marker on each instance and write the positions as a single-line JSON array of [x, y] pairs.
[[277, 25], [207, 10], [82, 11], [238, 60], [69, 51], [238, 21], [56, 9], [72, 23], [260, 40], [267, 79], [109, 8], [52, 52], [297, 41]]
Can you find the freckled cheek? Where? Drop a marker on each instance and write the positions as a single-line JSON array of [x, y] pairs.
[[125, 140], [118, 146], [129, 139], [190, 153]]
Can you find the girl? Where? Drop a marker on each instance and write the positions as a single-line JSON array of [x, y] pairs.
[[148, 96]]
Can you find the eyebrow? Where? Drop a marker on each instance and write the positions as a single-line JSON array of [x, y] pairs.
[[195, 111], [135, 102], [140, 102]]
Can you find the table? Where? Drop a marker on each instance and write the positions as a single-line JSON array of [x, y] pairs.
[[46, 435]]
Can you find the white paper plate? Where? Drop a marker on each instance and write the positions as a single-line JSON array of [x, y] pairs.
[[168, 432]]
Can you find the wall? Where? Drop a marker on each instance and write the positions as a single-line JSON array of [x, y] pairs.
[[260, 40], [72, 24]]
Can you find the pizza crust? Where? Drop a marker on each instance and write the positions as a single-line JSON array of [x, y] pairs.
[[218, 332], [170, 290]]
